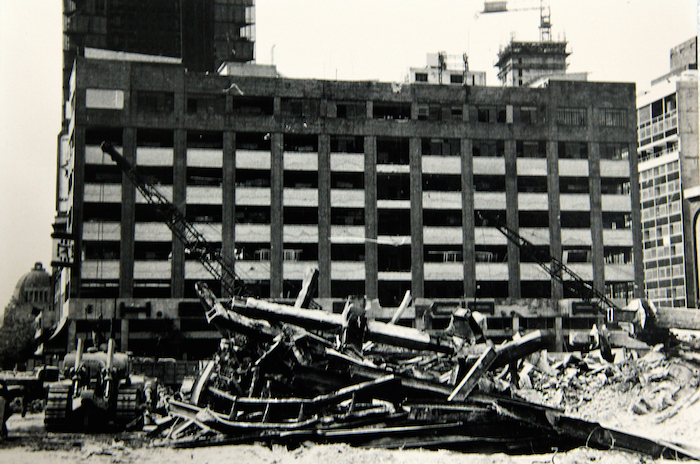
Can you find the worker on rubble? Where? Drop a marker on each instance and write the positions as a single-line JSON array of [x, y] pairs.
[[354, 324]]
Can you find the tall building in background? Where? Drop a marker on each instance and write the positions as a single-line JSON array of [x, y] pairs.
[[203, 33], [670, 181], [383, 187], [521, 63]]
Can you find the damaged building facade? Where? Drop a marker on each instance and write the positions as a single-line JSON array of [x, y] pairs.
[[385, 188]]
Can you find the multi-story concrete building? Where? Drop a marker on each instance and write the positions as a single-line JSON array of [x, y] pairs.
[[670, 181], [384, 188]]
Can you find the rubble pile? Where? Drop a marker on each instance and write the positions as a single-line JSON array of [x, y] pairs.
[[656, 383], [289, 375]]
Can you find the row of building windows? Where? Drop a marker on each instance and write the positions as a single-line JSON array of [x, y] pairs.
[[164, 102]]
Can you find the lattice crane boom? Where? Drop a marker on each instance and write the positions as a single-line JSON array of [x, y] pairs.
[[196, 245], [559, 271]]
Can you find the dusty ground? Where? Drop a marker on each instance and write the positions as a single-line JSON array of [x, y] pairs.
[[29, 443]]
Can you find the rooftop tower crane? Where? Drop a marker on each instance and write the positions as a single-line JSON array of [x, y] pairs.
[[501, 6]]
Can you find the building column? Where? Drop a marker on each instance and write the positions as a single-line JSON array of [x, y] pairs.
[[371, 220], [594, 186], [554, 211], [468, 236], [180, 201], [512, 220], [324, 216], [228, 203], [416, 196], [128, 220], [124, 335], [276, 215]]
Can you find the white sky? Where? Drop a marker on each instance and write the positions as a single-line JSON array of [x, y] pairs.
[[613, 40]]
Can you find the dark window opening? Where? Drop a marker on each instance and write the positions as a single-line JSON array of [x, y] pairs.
[[301, 107], [442, 218], [253, 141], [348, 180], [615, 185], [152, 251], [573, 185], [348, 252], [103, 174], [206, 104], [484, 183], [489, 217], [614, 151], [617, 255], [204, 176], [301, 142], [575, 220], [494, 148], [491, 289], [573, 150], [101, 250], [250, 251], [102, 212], [535, 289], [252, 214], [157, 174], [344, 288], [253, 106], [617, 220], [392, 151], [577, 254], [444, 289], [351, 110], [390, 293], [394, 258], [300, 215], [154, 138], [490, 253], [532, 184], [440, 147], [205, 139], [531, 149], [300, 252], [393, 186], [442, 182], [252, 178], [491, 114], [97, 135], [528, 115], [347, 144], [155, 102], [394, 222], [390, 110], [421, 77], [347, 216], [535, 254], [442, 253], [301, 179], [571, 116], [533, 219], [204, 213]]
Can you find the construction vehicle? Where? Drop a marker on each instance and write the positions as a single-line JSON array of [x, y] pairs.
[[97, 392], [638, 319]]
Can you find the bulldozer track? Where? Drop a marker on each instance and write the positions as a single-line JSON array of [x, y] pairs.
[[128, 405], [56, 414]]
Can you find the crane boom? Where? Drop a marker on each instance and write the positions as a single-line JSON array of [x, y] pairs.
[[560, 271], [195, 244]]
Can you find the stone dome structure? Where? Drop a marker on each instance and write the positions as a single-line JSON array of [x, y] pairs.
[[34, 287]]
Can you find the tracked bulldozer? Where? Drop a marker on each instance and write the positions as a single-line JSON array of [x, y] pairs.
[[97, 393]]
